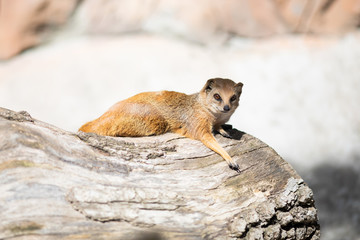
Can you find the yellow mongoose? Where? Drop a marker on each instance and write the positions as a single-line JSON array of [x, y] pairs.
[[194, 116]]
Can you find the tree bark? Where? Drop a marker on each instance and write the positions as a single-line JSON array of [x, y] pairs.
[[61, 185]]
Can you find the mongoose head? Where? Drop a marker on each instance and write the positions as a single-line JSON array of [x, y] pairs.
[[221, 96]]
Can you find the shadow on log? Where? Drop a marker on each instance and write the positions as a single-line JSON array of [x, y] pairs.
[[61, 185]]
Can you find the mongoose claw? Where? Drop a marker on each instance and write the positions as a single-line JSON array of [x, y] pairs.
[[234, 166]]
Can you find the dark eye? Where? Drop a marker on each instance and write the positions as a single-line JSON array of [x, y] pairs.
[[217, 97], [233, 98]]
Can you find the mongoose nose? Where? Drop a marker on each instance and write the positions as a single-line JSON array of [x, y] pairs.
[[226, 108]]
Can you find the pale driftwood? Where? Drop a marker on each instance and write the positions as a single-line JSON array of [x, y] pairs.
[[61, 185]]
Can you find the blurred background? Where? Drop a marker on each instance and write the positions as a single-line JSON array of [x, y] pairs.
[[66, 62]]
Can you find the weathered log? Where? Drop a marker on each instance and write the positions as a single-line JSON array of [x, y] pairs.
[[62, 185]]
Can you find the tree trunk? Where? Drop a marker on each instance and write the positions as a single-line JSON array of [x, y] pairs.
[[62, 185]]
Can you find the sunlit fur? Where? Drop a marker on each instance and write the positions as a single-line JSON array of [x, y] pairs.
[[153, 113]]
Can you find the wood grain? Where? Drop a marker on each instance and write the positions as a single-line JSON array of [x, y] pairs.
[[61, 185]]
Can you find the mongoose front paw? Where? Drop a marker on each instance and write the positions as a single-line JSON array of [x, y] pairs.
[[224, 133], [234, 166]]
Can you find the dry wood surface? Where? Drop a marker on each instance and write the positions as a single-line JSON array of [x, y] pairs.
[[56, 184]]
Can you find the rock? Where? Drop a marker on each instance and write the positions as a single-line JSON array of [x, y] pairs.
[[57, 184], [203, 22], [212, 20], [320, 16], [28, 24], [114, 16], [249, 18], [25, 24]]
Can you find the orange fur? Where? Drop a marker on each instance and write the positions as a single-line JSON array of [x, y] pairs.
[[194, 116]]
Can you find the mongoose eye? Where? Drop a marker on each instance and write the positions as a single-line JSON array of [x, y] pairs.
[[233, 98], [217, 97]]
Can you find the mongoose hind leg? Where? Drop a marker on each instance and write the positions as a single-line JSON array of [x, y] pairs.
[[125, 123], [210, 141]]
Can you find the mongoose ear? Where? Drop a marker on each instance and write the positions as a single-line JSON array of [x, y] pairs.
[[238, 87], [208, 85]]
